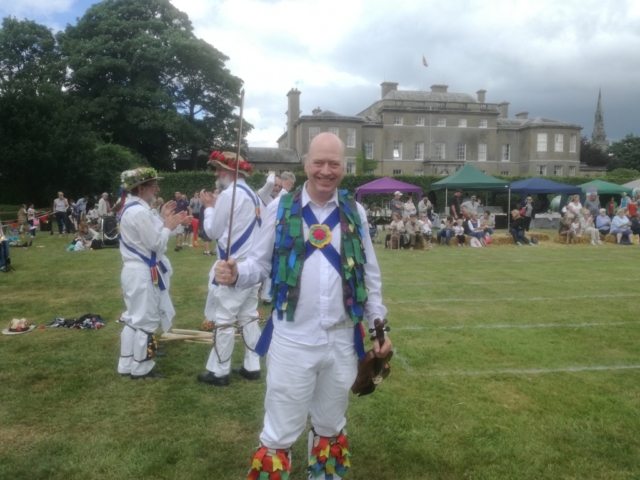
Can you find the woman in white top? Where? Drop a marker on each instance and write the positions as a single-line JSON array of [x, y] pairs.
[[84, 237], [60, 206], [409, 207], [574, 207], [587, 227]]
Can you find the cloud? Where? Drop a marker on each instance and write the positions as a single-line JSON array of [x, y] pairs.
[[34, 9]]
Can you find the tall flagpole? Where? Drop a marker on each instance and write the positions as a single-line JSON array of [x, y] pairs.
[[235, 180]]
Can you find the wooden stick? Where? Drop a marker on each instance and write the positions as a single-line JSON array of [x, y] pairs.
[[183, 331]]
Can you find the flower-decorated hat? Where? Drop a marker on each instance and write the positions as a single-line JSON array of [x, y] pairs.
[[138, 176], [18, 326], [227, 160]]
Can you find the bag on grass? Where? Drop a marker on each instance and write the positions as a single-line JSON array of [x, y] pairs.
[[474, 242]]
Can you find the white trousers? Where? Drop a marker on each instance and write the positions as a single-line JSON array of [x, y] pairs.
[[308, 380], [227, 307], [146, 306]]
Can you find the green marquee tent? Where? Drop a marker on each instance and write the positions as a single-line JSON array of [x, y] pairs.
[[470, 178], [606, 188]]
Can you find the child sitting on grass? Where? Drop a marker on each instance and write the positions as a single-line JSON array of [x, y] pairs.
[[458, 231]]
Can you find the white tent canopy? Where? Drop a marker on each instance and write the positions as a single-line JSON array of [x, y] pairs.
[[635, 184]]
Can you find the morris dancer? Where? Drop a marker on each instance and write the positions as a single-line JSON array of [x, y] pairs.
[[325, 279], [228, 306], [145, 275]]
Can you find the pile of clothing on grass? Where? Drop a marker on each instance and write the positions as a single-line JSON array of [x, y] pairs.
[[85, 322]]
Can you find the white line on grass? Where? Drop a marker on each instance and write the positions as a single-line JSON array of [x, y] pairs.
[[514, 299], [507, 282], [535, 325], [532, 371]]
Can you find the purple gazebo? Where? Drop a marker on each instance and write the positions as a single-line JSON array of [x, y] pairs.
[[387, 185]]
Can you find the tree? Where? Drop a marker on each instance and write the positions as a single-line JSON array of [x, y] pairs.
[[29, 58], [626, 153], [147, 82], [622, 175], [363, 164], [592, 155]]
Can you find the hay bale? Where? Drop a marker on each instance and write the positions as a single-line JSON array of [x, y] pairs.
[[503, 239]]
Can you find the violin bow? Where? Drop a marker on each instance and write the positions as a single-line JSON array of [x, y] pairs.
[[235, 179]]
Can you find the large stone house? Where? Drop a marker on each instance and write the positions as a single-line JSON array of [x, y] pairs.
[[437, 132]]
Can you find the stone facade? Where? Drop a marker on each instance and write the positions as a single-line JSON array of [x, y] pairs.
[[437, 132]]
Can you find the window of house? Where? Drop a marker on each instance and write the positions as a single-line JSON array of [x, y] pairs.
[[397, 172], [398, 120], [419, 153], [313, 132], [559, 143], [442, 122], [542, 142], [482, 152], [335, 131], [542, 169], [351, 138], [368, 172], [557, 170], [506, 152], [463, 105], [398, 103], [440, 151], [505, 173], [483, 123], [572, 171], [368, 150], [462, 122], [573, 143], [397, 150], [420, 121], [351, 167], [441, 105], [418, 172], [483, 106], [462, 151]]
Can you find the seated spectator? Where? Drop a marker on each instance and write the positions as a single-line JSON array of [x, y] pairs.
[[587, 227], [84, 238], [603, 222], [487, 223], [635, 225], [474, 229], [396, 227], [427, 228], [414, 231], [574, 207], [458, 231], [517, 229], [620, 225], [565, 226], [574, 229], [446, 231]]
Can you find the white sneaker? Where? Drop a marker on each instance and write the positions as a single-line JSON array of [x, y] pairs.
[[593, 242]]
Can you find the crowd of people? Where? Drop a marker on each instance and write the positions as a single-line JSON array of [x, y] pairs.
[[597, 222]]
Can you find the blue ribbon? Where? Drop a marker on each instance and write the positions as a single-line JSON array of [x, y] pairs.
[[329, 251]]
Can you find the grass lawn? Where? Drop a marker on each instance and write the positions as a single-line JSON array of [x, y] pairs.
[[511, 363]]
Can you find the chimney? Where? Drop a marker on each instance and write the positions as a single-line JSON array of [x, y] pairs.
[[316, 110], [481, 94], [523, 115], [503, 108], [387, 87], [293, 114], [439, 88]]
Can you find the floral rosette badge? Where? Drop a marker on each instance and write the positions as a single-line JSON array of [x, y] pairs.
[[319, 235]]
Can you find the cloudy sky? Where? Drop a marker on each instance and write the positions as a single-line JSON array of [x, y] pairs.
[[548, 57]]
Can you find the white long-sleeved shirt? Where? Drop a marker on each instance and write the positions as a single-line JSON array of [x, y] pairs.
[[140, 230], [321, 302], [103, 207], [265, 192], [216, 220]]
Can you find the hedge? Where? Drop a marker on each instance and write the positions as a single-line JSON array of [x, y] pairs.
[[190, 182]]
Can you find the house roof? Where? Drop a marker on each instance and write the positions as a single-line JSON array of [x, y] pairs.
[[258, 155], [534, 122], [418, 96]]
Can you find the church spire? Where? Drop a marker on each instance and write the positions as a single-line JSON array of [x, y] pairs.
[[599, 137]]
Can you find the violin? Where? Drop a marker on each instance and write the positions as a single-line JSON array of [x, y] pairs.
[[371, 369]]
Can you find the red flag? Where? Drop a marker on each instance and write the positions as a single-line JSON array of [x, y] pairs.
[[424, 61]]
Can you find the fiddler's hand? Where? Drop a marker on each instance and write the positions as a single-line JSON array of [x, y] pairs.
[[226, 272], [383, 351]]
